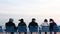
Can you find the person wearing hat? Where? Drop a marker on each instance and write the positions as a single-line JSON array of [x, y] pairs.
[[33, 23], [10, 23], [22, 23]]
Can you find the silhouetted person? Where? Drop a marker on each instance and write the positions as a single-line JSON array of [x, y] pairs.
[[1, 30], [45, 23], [52, 24], [22, 23], [10, 23], [33, 23]]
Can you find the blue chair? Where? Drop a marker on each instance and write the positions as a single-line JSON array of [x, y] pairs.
[[33, 29], [1, 29], [56, 29], [45, 29], [10, 29], [59, 28], [22, 28]]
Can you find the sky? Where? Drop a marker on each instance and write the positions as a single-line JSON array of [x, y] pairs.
[[27, 9], [35, 7]]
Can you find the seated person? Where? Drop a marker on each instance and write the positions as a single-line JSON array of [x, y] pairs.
[[45, 23], [22, 23], [10, 23], [1, 32], [33, 23], [52, 24]]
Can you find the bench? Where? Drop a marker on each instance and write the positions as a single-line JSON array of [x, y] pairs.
[[10, 29], [22, 28], [1, 29], [46, 29], [33, 29]]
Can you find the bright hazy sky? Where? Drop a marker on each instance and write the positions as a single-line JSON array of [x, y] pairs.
[[30, 8]]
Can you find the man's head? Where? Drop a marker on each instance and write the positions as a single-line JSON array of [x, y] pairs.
[[10, 20], [33, 19], [21, 20]]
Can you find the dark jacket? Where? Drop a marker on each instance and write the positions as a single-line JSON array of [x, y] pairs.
[[11, 24], [22, 24], [32, 24], [52, 25]]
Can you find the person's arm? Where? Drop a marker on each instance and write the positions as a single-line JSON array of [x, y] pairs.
[[15, 27], [25, 24], [19, 24], [55, 24], [47, 24], [5, 25], [41, 24], [36, 24], [29, 25]]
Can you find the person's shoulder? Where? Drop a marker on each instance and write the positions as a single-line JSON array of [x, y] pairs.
[[55, 23], [24, 22], [30, 22], [13, 23], [36, 22], [6, 23]]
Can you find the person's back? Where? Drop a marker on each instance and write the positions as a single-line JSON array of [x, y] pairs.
[[52, 24], [22, 23], [10, 23], [33, 23], [45, 23]]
